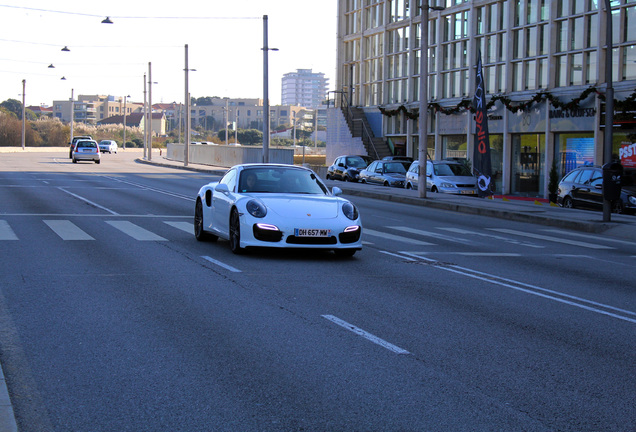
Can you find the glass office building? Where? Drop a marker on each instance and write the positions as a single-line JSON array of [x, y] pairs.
[[544, 71]]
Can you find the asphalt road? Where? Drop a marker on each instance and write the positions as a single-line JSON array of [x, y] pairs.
[[113, 317]]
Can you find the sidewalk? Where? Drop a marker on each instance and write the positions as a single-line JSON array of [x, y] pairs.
[[621, 226]]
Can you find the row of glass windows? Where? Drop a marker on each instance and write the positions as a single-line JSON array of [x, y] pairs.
[[574, 58]]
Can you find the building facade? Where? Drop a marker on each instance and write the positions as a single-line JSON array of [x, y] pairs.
[[304, 88], [544, 72], [92, 109]]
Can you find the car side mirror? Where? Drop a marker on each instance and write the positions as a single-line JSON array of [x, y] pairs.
[[222, 188], [336, 191]]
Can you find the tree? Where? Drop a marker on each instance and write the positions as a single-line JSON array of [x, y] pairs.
[[13, 106], [250, 136]]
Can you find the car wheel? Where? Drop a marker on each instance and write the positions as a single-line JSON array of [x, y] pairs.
[[617, 207], [74, 160], [97, 161], [344, 253], [328, 177], [567, 202], [363, 181], [386, 183], [408, 186], [235, 233], [434, 190], [199, 233]]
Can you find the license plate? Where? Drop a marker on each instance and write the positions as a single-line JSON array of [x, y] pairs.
[[468, 192], [307, 232]]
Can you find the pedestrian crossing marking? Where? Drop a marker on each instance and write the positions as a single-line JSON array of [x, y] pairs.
[[135, 231], [6, 233], [496, 237], [67, 230], [430, 234], [183, 226], [551, 238], [388, 236]]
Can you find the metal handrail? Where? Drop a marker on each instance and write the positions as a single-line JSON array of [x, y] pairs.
[[349, 117]]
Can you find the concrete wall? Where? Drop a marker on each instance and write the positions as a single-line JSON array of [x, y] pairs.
[[339, 139], [227, 156]]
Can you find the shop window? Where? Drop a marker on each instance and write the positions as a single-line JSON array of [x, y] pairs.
[[528, 160]]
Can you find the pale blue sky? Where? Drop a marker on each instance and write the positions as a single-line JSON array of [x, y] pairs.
[[225, 38]]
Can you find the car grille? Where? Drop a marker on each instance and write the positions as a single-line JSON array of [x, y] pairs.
[[267, 235], [312, 240], [350, 237]]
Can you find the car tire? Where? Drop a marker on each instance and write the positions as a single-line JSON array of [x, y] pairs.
[[74, 160], [567, 202], [98, 161], [199, 233], [235, 233], [344, 253], [434, 190], [363, 181], [386, 183], [328, 177], [408, 186]]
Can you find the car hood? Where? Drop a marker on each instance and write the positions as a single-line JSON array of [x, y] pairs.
[[302, 206], [458, 179]]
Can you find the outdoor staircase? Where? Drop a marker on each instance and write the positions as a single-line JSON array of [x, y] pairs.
[[359, 127]]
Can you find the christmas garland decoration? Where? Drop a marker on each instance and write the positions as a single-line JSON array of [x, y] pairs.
[[629, 104]]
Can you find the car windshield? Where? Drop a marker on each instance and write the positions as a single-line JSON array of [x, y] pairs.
[[280, 180], [356, 162], [451, 170], [394, 167]]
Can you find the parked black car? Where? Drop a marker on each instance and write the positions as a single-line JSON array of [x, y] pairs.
[[348, 168], [583, 187]]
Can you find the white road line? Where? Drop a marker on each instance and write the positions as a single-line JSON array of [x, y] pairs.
[[220, 264], [135, 231], [183, 226], [496, 237], [588, 236], [90, 202], [398, 256], [388, 236], [430, 234], [536, 290], [6, 233], [550, 238], [366, 335], [67, 230]]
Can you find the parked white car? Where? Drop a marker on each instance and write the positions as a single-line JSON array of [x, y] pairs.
[[109, 146], [443, 177]]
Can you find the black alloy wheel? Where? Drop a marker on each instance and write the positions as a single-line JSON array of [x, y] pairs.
[[567, 202], [235, 233], [199, 232]]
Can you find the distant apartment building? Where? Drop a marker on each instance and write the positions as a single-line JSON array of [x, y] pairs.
[[222, 113], [92, 109], [304, 88]]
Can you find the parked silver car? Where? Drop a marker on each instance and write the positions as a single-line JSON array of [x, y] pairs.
[[444, 177], [385, 172], [86, 150]]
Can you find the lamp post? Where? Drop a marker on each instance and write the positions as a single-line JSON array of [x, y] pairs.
[[186, 151], [150, 110], [423, 118], [72, 113], [266, 92], [23, 114], [125, 100], [145, 120], [609, 103]]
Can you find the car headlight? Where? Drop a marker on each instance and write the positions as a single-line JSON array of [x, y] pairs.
[[350, 211], [448, 185], [632, 199], [256, 208]]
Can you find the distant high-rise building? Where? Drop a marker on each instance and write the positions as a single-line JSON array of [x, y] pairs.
[[304, 88]]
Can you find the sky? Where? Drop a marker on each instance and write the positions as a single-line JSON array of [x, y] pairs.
[[224, 38]]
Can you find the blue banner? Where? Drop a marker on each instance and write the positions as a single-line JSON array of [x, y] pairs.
[[481, 153]]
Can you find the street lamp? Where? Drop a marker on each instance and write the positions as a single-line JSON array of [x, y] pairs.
[[423, 119], [23, 113], [266, 92], [609, 103], [125, 100]]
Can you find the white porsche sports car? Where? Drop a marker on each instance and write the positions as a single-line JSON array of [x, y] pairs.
[[276, 205]]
